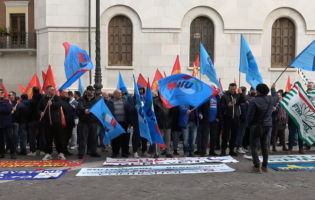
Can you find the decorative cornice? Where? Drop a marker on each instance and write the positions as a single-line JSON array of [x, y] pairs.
[[16, 3]]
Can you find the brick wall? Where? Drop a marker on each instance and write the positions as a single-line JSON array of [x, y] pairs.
[[31, 23]]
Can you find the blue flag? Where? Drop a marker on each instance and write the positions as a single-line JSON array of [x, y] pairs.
[[77, 62], [81, 87], [151, 119], [206, 66], [180, 89], [248, 65], [306, 59], [143, 124], [121, 85], [112, 127]]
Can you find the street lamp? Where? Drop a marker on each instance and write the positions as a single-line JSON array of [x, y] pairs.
[[98, 72]]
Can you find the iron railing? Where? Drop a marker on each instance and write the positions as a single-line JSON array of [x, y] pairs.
[[18, 41]]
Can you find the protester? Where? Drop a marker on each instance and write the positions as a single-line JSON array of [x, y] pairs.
[[69, 118], [230, 103], [211, 114], [36, 124], [175, 129], [77, 95], [88, 123], [259, 120], [23, 119], [119, 107], [74, 105], [49, 109], [248, 98], [293, 130], [15, 124], [6, 126], [242, 128]]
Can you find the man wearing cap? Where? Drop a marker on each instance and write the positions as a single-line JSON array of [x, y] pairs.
[[88, 123], [259, 121]]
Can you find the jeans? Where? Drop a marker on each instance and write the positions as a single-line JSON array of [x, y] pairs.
[[74, 133], [189, 137], [240, 135], [34, 126], [22, 136], [269, 138], [15, 129], [255, 137], [100, 133], [293, 129], [176, 135], [8, 134]]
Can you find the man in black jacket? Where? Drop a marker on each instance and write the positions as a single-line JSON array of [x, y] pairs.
[[23, 115], [36, 124], [259, 115], [230, 104], [88, 123], [69, 117], [49, 109]]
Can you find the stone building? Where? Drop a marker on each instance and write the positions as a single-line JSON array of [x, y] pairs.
[[139, 36]]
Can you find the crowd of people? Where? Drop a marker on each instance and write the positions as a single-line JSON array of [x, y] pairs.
[[248, 122]]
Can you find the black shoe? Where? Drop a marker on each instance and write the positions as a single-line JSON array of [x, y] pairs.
[[202, 155], [156, 156], [274, 149], [163, 153], [169, 156], [197, 152], [2, 156], [22, 153], [307, 147], [233, 153], [124, 155], [191, 155], [88, 152], [80, 156], [128, 153], [213, 154], [223, 153], [175, 152], [13, 155], [150, 152], [217, 148], [114, 155], [96, 155], [67, 153]]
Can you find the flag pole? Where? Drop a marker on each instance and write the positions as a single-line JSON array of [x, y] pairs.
[[46, 107], [282, 73]]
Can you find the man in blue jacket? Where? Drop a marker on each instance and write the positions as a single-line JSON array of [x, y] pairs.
[[6, 125], [259, 120]]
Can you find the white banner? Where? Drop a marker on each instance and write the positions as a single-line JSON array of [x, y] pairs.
[[151, 170], [168, 161], [286, 158]]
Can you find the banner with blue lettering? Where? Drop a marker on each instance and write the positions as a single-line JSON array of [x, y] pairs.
[[179, 89], [31, 175]]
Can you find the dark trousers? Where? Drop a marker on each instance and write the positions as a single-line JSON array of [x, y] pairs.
[[53, 131], [246, 138], [34, 126], [87, 135], [220, 128], [231, 125], [136, 139], [255, 137], [122, 141], [7, 133], [212, 128], [66, 136], [274, 134], [293, 129]]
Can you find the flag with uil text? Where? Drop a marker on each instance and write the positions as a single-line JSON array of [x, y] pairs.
[[300, 108], [112, 128]]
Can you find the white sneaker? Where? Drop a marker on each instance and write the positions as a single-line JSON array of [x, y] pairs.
[[135, 155], [240, 150], [47, 157], [61, 156], [144, 154], [245, 150], [32, 154], [41, 153], [73, 147]]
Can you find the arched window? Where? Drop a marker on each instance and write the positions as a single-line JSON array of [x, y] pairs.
[[282, 43], [120, 41], [201, 29]]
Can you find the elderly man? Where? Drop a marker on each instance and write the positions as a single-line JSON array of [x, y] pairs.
[[119, 108], [105, 97]]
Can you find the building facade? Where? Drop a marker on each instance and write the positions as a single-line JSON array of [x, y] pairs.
[[139, 36]]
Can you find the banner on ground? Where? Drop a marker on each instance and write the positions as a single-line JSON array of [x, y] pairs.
[[152, 170], [286, 158], [300, 108], [31, 175], [293, 167], [168, 161], [42, 163]]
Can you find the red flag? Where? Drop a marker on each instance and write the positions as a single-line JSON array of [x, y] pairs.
[[21, 89], [5, 91], [141, 81], [50, 80], [176, 68], [34, 82], [164, 74], [236, 86], [288, 87], [196, 67], [44, 76], [63, 120], [220, 84], [157, 77]]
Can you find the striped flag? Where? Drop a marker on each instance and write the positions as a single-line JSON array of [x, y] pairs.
[[107, 118], [196, 67]]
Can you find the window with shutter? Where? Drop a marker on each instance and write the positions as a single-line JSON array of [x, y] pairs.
[[282, 43], [201, 29], [120, 41]]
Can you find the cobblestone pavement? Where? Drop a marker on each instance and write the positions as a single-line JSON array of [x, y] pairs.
[[232, 185]]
